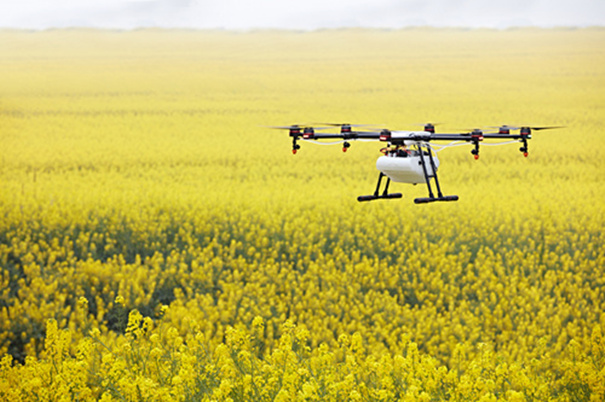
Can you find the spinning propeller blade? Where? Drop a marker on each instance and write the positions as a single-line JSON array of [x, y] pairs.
[[291, 127], [546, 128], [297, 127], [520, 126], [346, 124], [427, 124]]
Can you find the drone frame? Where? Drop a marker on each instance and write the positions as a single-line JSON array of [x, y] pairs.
[[420, 140]]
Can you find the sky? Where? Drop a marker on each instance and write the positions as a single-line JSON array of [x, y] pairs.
[[299, 14]]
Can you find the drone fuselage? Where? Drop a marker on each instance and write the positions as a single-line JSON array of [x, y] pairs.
[[406, 168], [409, 138]]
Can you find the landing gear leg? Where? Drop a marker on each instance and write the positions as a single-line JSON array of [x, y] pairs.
[[427, 177], [377, 195]]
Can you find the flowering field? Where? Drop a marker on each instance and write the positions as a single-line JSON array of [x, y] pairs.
[[158, 243]]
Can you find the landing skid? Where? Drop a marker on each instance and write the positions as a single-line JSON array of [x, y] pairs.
[[377, 196], [426, 200]]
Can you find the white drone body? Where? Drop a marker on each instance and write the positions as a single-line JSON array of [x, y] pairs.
[[405, 169], [405, 166]]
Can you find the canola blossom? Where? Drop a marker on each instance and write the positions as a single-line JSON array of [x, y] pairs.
[[158, 243]]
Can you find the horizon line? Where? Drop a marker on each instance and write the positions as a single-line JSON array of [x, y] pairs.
[[310, 30]]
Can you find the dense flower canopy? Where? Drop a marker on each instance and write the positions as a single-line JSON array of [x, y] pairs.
[[157, 243]]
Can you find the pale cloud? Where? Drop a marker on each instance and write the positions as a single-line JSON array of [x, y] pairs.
[[308, 14]]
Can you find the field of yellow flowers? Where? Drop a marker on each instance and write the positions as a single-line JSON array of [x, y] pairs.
[[158, 243]]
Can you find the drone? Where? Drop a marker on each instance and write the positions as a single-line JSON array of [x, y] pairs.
[[409, 156]]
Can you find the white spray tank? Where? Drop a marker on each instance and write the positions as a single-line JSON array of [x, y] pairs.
[[406, 167]]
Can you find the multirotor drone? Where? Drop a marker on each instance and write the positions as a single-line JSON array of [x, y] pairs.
[[409, 156]]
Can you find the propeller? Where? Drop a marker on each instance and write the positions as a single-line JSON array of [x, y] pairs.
[[428, 127], [475, 132], [506, 129], [545, 128], [297, 127], [291, 127], [525, 132], [296, 130], [470, 130], [346, 130], [346, 125]]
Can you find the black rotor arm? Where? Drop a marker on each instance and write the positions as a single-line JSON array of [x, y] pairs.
[[353, 135]]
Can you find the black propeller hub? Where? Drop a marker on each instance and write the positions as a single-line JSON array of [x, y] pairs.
[[477, 135], [308, 133]]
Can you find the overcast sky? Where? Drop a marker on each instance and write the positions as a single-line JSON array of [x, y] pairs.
[[299, 14]]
